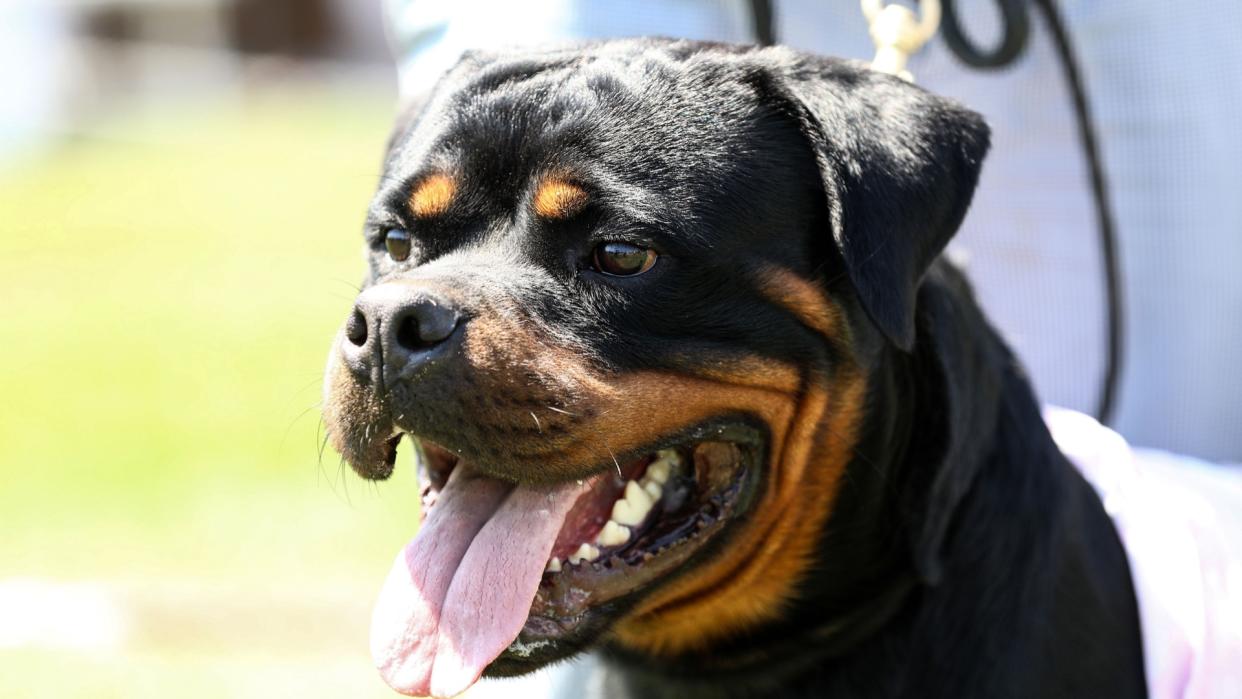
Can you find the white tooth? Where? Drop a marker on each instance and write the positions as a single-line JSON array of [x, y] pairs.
[[653, 489], [623, 511], [658, 470], [612, 534], [635, 494], [633, 508], [554, 565], [585, 552]]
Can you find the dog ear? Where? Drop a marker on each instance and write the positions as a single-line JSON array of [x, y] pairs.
[[899, 166], [959, 386]]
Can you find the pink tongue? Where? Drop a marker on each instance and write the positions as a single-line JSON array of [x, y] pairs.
[[459, 593]]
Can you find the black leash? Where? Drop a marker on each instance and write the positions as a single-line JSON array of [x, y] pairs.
[[1103, 212], [761, 16], [1013, 41], [1017, 29]]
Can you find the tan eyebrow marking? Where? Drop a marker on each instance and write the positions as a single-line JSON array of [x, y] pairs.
[[558, 199], [433, 196]]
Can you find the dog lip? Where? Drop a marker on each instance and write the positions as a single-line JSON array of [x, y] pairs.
[[570, 610], [581, 601]]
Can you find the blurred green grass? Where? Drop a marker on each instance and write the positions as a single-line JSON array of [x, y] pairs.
[[167, 295]]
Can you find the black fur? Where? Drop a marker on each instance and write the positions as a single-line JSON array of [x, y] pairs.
[[1015, 584], [966, 557]]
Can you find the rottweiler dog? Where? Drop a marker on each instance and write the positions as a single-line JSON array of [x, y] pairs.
[[690, 386]]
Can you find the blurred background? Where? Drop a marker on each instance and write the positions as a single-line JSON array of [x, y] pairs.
[[182, 186]]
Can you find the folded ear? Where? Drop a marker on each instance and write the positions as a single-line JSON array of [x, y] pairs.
[[899, 166]]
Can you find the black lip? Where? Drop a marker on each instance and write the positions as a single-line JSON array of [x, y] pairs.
[[741, 429], [390, 460]]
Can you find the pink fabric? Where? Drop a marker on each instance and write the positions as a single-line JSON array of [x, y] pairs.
[[1187, 578]]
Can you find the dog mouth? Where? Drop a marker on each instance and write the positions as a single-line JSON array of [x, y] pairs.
[[506, 577]]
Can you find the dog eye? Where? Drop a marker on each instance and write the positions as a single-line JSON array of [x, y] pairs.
[[398, 243], [623, 259]]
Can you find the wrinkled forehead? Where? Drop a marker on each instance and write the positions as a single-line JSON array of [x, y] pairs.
[[641, 121]]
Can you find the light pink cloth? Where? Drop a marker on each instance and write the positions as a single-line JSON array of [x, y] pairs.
[[1187, 567]]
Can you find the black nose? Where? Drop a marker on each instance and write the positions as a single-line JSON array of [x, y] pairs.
[[395, 329]]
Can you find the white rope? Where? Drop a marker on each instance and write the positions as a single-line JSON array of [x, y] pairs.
[[898, 33]]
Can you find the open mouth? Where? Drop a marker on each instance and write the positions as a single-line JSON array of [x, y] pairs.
[[507, 577]]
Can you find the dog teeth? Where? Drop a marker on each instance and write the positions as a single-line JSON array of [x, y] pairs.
[[627, 512], [585, 552], [633, 508], [635, 494], [612, 534], [658, 470]]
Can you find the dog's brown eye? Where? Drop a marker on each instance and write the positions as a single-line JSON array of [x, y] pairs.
[[623, 259], [398, 243]]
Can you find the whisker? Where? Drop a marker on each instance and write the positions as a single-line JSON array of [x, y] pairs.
[[322, 438], [344, 481], [352, 285], [614, 460], [289, 428]]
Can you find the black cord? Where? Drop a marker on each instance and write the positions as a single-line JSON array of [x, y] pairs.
[[1013, 42], [1103, 211], [761, 15]]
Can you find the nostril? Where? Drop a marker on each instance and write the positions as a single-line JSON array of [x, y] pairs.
[[356, 328], [407, 334]]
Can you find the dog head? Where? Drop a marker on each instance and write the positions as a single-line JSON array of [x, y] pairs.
[[625, 298]]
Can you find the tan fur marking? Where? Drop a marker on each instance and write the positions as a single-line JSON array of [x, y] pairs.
[[763, 563], [433, 196], [558, 199], [804, 299], [753, 580]]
